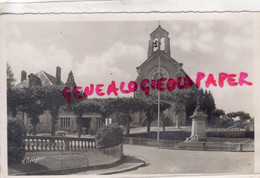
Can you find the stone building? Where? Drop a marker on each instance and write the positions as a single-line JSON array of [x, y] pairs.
[[159, 51], [66, 121]]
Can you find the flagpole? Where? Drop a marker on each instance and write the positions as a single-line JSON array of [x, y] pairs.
[[158, 122]]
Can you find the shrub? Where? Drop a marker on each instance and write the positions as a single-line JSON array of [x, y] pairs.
[[16, 141], [109, 136]]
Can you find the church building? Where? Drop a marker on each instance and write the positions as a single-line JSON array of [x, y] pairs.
[[160, 64]]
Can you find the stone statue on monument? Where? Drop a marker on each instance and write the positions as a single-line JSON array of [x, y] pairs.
[[198, 129], [198, 107]]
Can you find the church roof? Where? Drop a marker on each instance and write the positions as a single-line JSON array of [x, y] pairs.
[[159, 28], [46, 80], [152, 56]]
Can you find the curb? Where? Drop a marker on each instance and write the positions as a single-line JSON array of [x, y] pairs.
[[74, 170], [142, 164]]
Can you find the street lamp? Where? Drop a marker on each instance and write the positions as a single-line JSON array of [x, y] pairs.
[[157, 43], [158, 122]]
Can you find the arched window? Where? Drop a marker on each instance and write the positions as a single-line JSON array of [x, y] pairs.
[[155, 44], [162, 41]]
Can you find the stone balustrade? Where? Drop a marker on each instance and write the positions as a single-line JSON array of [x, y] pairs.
[[55, 143]]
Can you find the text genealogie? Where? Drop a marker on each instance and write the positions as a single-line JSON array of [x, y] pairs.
[[161, 84]]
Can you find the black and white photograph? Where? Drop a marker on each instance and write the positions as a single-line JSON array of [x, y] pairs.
[[122, 95]]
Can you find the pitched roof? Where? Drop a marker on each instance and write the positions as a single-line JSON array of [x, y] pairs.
[[46, 80], [159, 28], [152, 57], [23, 84]]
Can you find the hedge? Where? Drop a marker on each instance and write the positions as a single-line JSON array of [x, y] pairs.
[[109, 136], [16, 141], [182, 135]]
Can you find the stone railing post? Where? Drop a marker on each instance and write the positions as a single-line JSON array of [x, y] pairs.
[[56, 143], [203, 146], [67, 144], [240, 146], [131, 141]]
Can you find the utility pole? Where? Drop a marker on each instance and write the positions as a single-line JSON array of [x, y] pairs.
[[159, 97]]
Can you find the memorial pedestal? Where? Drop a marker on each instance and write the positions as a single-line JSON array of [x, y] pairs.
[[198, 131]]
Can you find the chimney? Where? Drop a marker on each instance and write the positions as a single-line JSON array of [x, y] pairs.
[[58, 75], [23, 75]]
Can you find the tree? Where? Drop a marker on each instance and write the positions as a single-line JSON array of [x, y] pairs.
[[10, 76], [180, 100], [226, 121], [190, 101], [82, 107], [70, 80], [127, 106], [207, 103], [188, 98], [71, 84], [53, 101], [34, 105], [216, 114], [245, 120], [149, 111], [26, 100], [251, 123], [107, 107], [123, 107], [151, 108], [243, 116], [17, 99]]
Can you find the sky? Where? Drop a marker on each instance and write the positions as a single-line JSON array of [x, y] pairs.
[[101, 51]]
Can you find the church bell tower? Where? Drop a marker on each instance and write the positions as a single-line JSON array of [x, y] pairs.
[[159, 41]]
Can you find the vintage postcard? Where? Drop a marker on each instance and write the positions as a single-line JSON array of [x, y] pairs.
[[125, 95]]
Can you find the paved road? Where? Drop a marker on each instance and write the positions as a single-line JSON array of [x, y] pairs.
[[163, 161]]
